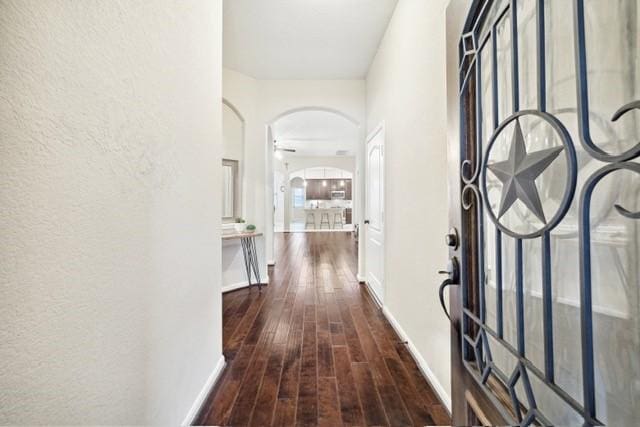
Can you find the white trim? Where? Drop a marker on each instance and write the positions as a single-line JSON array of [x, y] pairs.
[[234, 286], [437, 386], [240, 285], [379, 129], [375, 297], [208, 386], [361, 278], [314, 108], [271, 263]]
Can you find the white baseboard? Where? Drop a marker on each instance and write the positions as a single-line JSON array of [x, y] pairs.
[[374, 296], [234, 286], [240, 285], [208, 386], [437, 386], [271, 263], [361, 278]]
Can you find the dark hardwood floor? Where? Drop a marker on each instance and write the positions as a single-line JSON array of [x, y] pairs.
[[314, 349]]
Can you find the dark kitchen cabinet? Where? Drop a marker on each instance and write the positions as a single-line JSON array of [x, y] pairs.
[[311, 190], [317, 191], [348, 189], [342, 185], [324, 191]]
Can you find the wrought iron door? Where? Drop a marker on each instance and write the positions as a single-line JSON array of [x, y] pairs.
[[550, 142]]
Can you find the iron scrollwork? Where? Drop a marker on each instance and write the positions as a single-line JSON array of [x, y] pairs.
[[477, 352], [571, 164]]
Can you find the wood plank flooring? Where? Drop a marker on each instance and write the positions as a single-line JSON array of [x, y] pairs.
[[314, 349]]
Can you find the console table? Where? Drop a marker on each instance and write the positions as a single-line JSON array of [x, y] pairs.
[[248, 241]]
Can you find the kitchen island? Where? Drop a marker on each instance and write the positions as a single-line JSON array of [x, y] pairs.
[[317, 218]]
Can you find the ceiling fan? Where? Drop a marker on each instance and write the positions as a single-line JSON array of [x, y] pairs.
[[276, 148]]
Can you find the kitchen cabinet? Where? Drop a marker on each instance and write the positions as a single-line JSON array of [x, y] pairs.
[[348, 190], [342, 185], [317, 191], [348, 216], [310, 190], [324, 191]]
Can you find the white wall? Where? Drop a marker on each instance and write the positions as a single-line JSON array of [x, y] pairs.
[[406, 90], [110, 308], [297, 163]]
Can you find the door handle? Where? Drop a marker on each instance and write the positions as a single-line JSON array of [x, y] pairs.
[[453, 271]]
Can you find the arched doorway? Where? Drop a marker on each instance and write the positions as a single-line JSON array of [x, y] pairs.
[[314, 139]]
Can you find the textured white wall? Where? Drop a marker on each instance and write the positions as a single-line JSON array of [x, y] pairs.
[[110, 309], [406, 88]]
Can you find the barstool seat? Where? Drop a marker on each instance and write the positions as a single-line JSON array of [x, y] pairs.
[[324, 220], [311, 220], [337, 220]]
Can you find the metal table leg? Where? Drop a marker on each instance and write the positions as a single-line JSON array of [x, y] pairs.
[[250, 255]]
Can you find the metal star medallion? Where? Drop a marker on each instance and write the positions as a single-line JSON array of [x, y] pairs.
[[518, 174]]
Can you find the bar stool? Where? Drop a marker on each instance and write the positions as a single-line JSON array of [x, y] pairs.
[[311, 220], [337, 220], [324, 220]]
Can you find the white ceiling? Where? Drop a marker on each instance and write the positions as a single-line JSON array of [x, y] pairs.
[[316, 133], [303, 39]]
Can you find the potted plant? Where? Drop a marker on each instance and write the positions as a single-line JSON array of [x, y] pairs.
[[251, 228], [239, 225]]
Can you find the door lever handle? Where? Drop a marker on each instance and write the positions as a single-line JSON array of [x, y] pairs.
[[443, 286], [453, 271]]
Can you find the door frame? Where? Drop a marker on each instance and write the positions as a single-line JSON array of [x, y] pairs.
[[380, 128], [469, 404]]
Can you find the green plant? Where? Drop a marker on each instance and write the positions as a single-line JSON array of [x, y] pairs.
[[240, 220], [251, 227]]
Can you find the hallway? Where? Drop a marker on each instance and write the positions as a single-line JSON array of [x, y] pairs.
[[314, 348]]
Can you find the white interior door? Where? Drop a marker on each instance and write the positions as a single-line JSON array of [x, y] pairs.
[[278, 200], [374, 218]]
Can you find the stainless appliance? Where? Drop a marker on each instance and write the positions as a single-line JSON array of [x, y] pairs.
[[337, 195]]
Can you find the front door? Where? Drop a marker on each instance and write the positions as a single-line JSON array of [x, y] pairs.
[[545, 211], [374, 221]]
